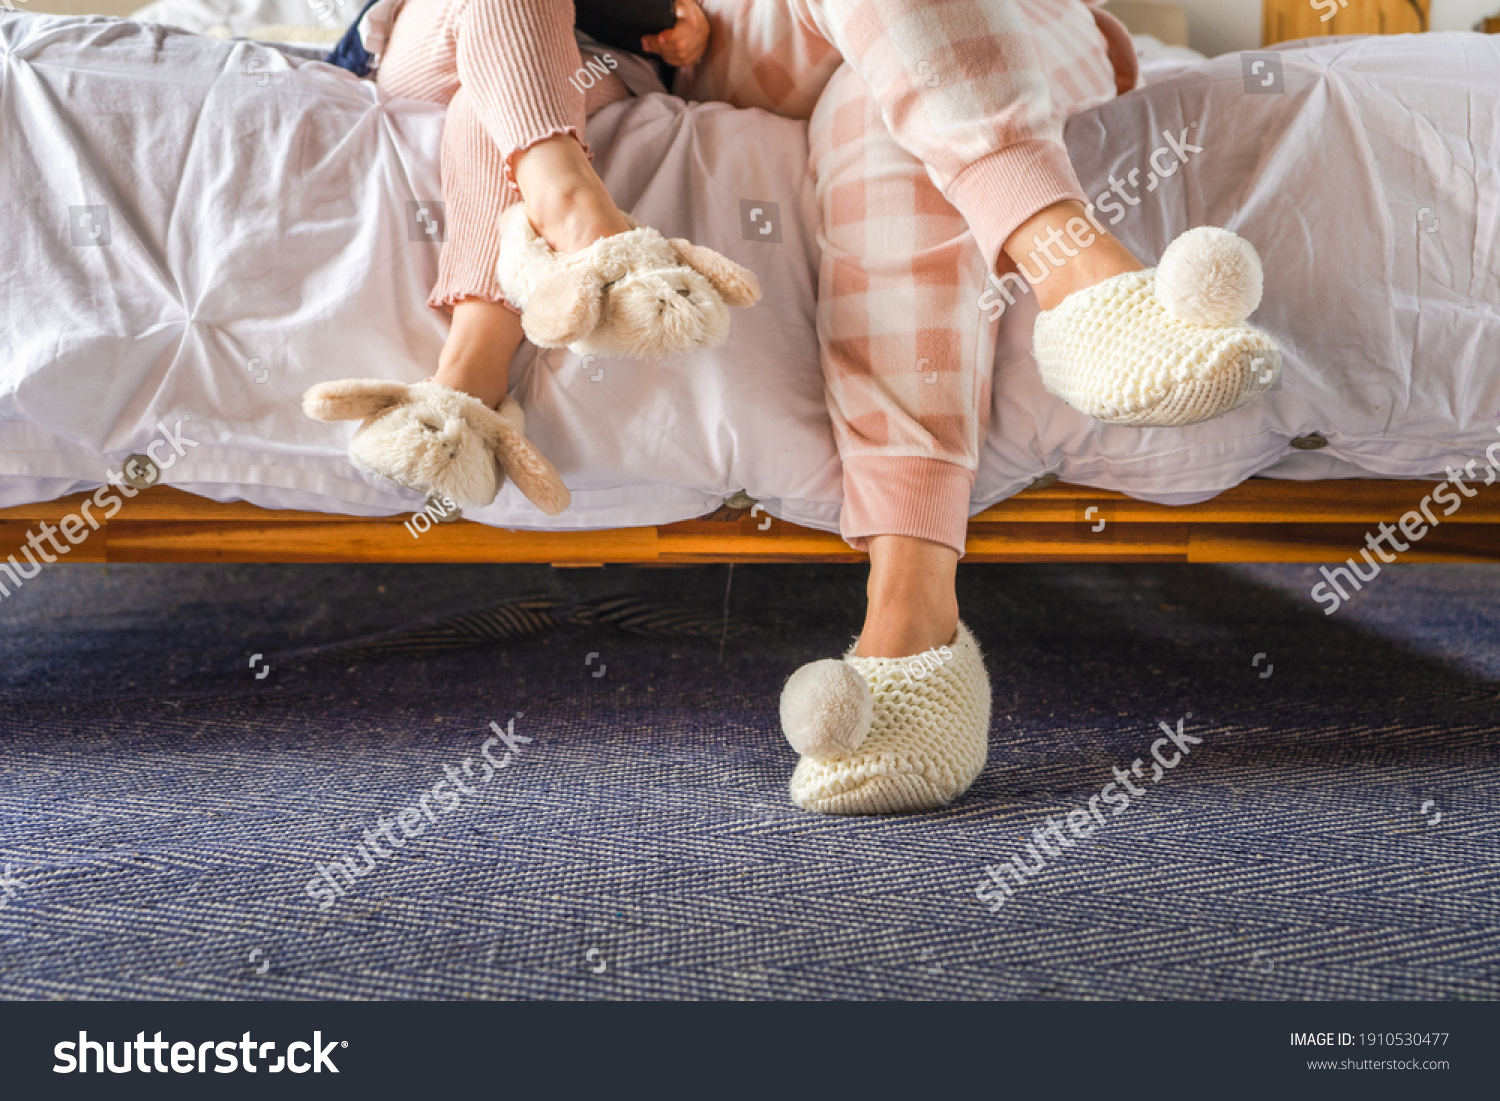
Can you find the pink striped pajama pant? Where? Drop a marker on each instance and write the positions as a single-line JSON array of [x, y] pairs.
[[504, 69], [935, 130]]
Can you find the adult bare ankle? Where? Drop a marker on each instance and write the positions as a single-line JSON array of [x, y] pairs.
[[1059, 251], [913, 605]]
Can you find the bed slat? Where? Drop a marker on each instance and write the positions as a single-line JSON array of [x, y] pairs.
[[1261, 520]]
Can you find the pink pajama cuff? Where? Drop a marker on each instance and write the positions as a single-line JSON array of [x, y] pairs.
[[905, 495], [1031, 175]]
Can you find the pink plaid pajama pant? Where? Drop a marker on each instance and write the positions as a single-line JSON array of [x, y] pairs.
[[935, 130]]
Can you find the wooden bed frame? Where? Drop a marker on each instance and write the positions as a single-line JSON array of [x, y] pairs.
[[1262, 520], [1283, 20]]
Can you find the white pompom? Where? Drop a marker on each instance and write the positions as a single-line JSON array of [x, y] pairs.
[[1210, 276], [826, 709]]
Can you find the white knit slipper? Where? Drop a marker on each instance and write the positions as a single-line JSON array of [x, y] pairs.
[[636, 294], [1163, 347], [888, 735]]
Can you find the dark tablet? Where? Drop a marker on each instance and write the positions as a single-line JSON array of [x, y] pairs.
[[623, 23]]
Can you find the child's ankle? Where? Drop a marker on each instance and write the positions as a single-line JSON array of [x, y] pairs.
[[565, 199], [570, 219]]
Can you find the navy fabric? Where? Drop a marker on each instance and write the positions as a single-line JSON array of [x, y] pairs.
[[350, 53], [623, 23], [162, 807]]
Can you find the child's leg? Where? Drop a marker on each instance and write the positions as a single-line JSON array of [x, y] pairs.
[[516, 58], [482, 340], [516, 117], [486, 331], [524, 116]]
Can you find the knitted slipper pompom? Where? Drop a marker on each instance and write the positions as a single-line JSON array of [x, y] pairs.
[[1165, 347], [1210, 276], [826, 709]]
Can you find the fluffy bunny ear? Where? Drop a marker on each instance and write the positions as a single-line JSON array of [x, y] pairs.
[[736, 285], [352, 399], [524, 464], [565, 307]]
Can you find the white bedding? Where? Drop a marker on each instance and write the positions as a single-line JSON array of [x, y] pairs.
[[260, 229], [308, 23]]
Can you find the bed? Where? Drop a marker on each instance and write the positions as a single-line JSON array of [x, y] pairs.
[[206, 226]]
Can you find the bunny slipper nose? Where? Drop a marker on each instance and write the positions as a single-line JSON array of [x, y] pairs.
[[677, 301]]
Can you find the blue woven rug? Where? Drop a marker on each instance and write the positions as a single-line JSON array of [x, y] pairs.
[[165, 804]]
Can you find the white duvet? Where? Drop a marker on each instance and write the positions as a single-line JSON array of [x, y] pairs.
[[197, 228]]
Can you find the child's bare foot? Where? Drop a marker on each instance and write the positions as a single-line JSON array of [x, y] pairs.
[[565, 199]]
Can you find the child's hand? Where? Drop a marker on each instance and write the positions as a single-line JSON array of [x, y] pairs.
[[685, 42]]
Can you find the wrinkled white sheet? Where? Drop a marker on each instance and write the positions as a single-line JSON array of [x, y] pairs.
[[261, 240], [1365, 174], [302, 22]]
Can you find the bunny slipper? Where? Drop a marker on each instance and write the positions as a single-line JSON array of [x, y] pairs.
[[636, 295], [1167, 346], [439, 441], [888, 735]]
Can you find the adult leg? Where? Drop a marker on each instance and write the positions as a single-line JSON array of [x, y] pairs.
[[760, 54], [907, 356], [979, 90]]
